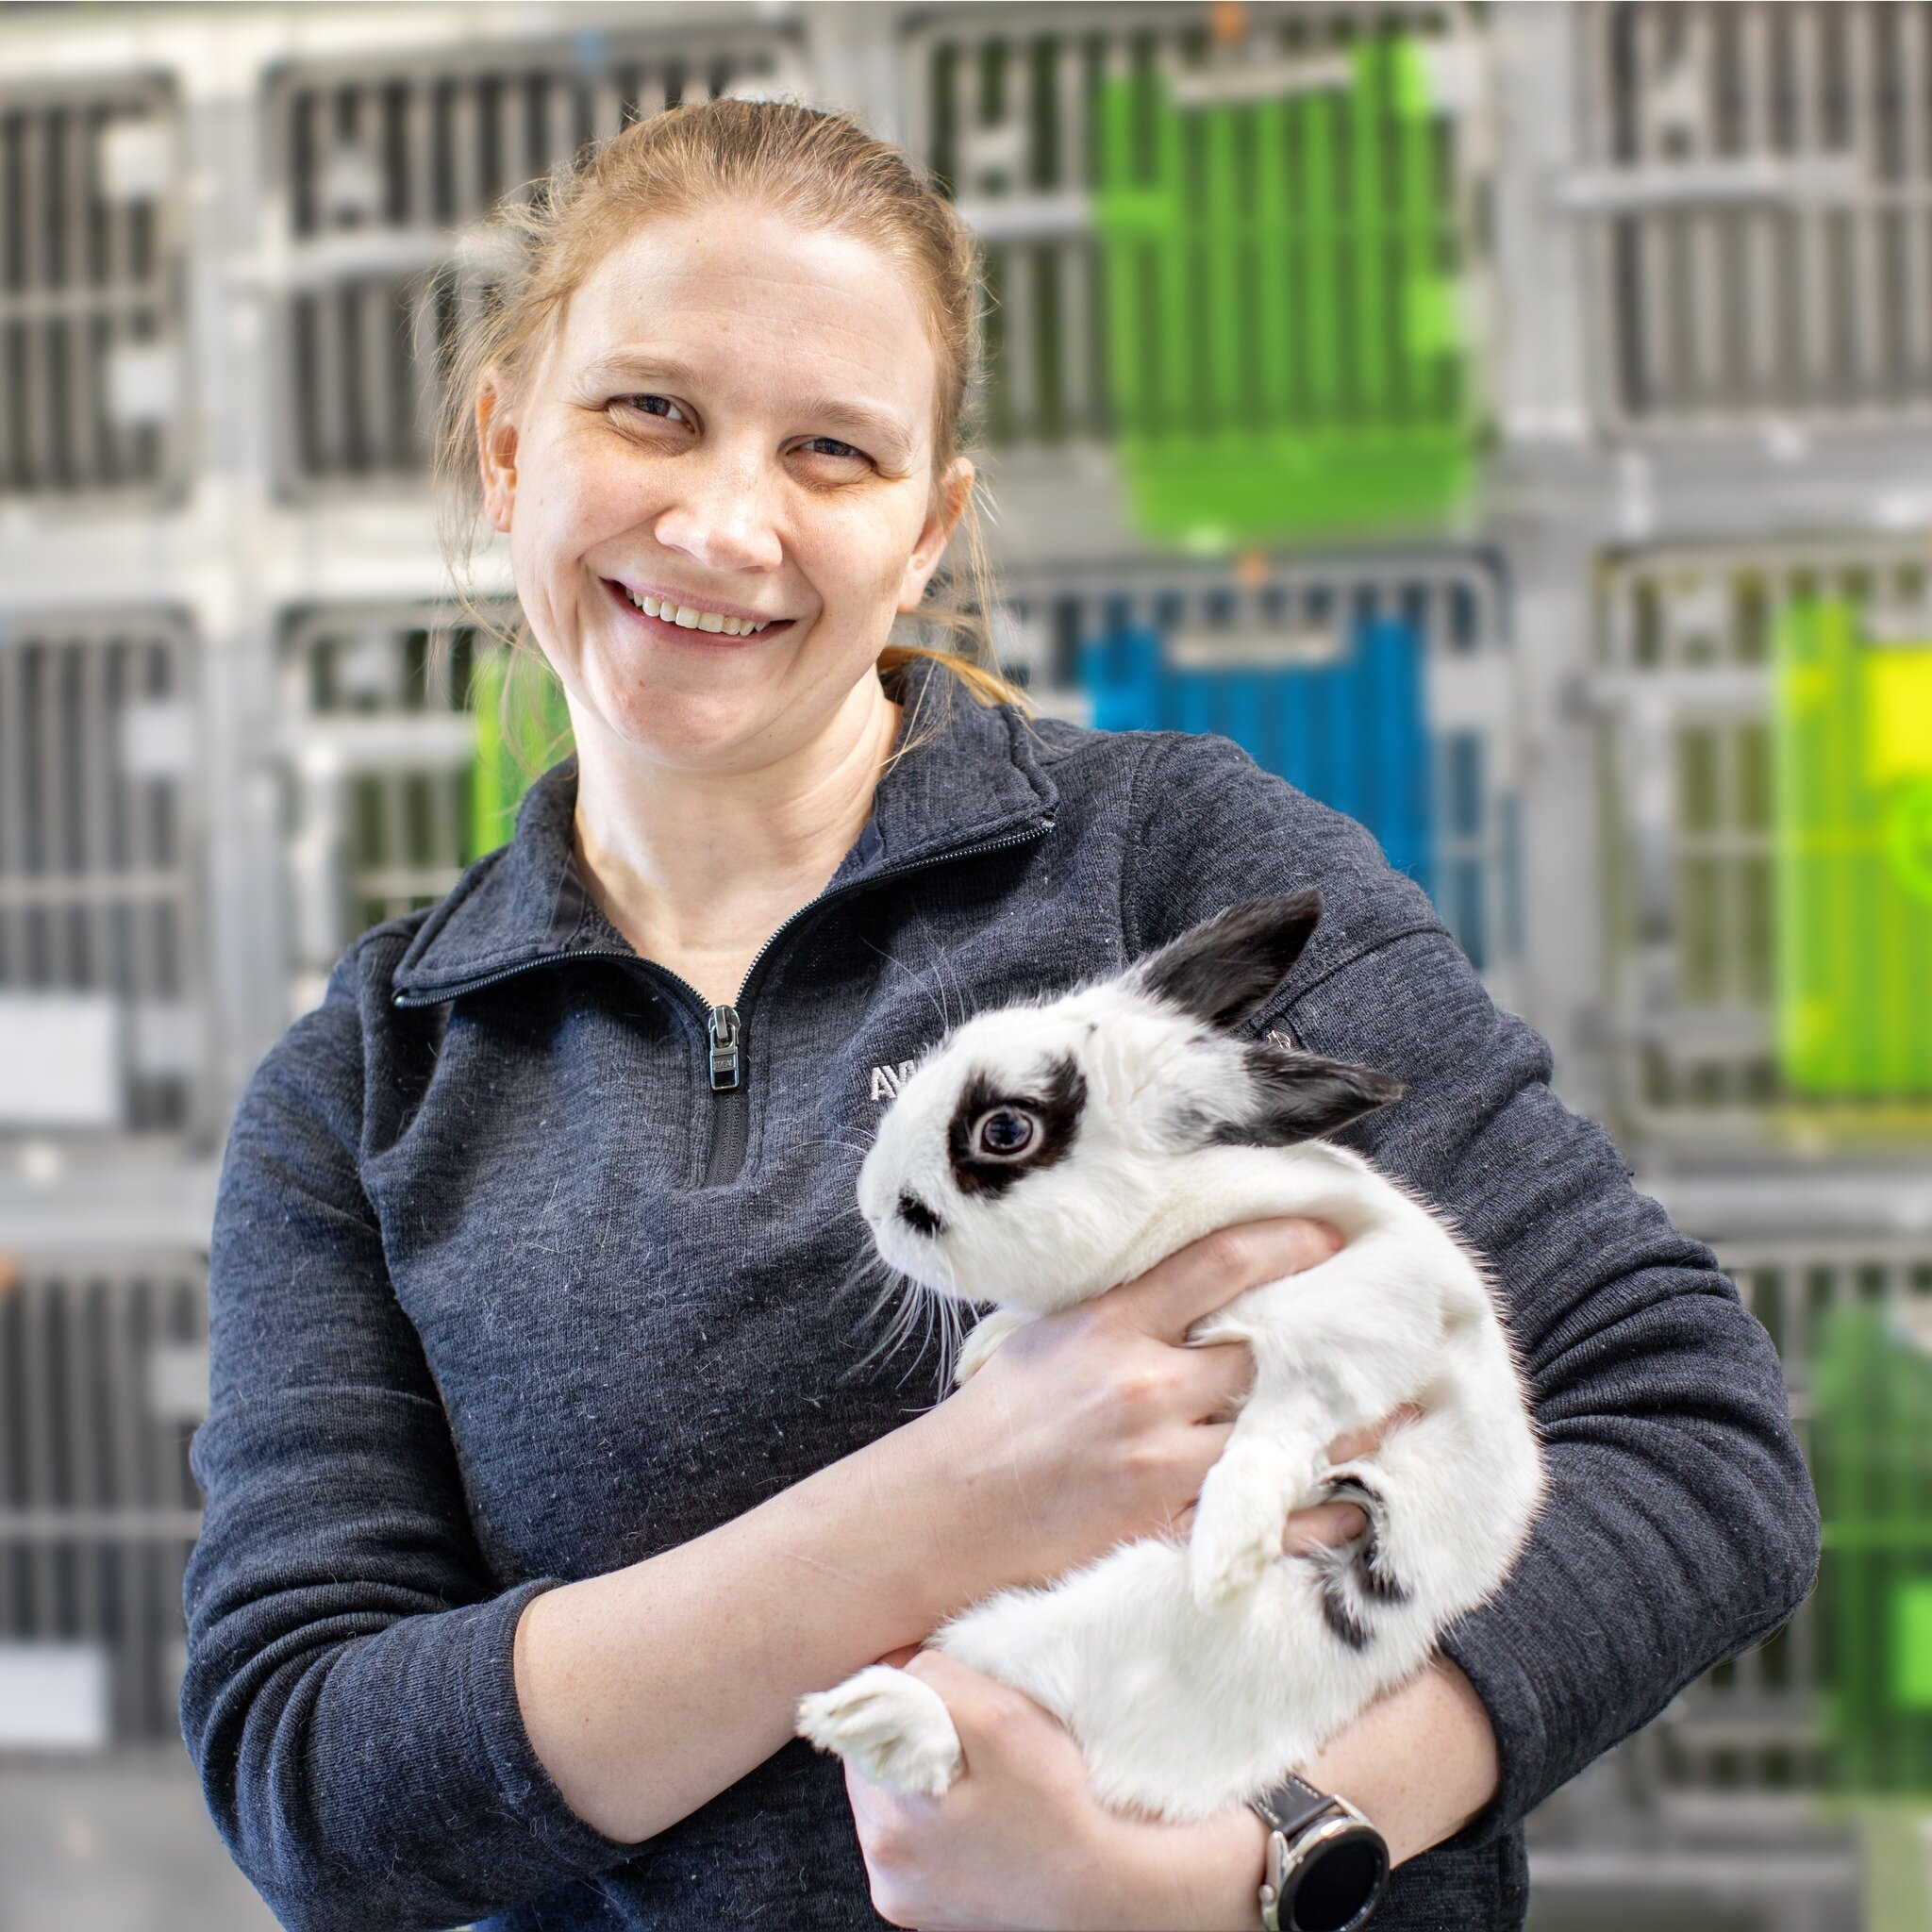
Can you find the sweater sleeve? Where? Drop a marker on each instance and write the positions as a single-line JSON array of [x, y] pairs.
[[1679, 1525], [349, 1699]]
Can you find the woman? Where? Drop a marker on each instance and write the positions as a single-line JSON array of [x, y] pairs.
[[548, 1461]]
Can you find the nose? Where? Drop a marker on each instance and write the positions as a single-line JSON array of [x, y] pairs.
[[722, 514], [918, 1216]]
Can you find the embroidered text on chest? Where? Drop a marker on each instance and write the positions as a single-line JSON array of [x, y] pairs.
[[886, 1080]]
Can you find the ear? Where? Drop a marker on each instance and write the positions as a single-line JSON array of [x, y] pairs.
[[1298, 1096], [1224, 970], [955, 487], [496, 449]]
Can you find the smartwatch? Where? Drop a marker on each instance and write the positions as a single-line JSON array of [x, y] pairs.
[[1326, 1863]]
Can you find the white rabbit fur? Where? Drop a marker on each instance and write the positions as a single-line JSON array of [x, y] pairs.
[[1193, 1677]]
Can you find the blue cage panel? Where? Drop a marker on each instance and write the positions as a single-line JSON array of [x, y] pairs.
[[1340, 713]]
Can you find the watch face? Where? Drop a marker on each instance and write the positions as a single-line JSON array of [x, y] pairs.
[[1337, 1886]]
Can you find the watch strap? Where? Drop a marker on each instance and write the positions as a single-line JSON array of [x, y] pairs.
[[1291, 1803], [1305, 1826]]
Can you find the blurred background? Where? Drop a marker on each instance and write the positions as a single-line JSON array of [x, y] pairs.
[[1509, 422]]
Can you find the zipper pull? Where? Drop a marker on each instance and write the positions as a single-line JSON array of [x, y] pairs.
[[723, 1028]]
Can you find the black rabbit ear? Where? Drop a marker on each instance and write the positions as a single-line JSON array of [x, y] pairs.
[[1298, 1096], [1225, 969]]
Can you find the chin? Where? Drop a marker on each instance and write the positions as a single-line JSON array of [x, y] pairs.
[[676, 726]]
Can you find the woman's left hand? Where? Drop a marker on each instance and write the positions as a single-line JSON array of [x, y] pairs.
[[1020, 1840]]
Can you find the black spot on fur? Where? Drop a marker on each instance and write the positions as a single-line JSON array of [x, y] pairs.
[[1056, 1107], [1298, 1096], [1340, 1614], [1223, 970], [918, 1216], [1376, 1583], [1372, 1577]]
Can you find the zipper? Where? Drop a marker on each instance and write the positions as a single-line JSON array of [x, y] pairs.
[[726, 1068], [723, 1027]]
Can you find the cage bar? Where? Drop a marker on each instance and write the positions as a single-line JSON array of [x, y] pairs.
[[1007, 106], [392, 781], [380, 166], [99, 819], [1455, 604], [1685, 648], [92, 387], [98, 1507], [1757, 185], [1753, 1729]]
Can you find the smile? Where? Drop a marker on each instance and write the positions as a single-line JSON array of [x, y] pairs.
[[682, 620]]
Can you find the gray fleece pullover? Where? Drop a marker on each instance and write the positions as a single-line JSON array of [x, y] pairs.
[[506, 1293]]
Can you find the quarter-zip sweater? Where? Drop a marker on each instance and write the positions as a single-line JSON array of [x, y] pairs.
[[528, 1265]]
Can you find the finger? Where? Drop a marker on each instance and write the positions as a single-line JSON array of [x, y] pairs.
[[899, 1659], [1328, 1526], [1202, 1448], [1346, 1448], [1199, 1449], [1214, 1381], [983, 1709], [1207, 1273]]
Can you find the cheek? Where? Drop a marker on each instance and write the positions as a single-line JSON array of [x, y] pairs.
[[857, 549], [586, 492], [563, 507]]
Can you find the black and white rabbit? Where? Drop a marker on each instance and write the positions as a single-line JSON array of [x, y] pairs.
[[1043, 1153]]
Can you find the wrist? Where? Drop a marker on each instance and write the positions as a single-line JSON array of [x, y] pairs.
[[943, 1560], [967, 1502], [1200, 1877], [1419, 1764]]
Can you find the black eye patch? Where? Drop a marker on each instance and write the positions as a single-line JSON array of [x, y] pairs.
[[1054, 1111]]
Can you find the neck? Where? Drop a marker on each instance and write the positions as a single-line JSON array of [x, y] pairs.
[[1217, 1187], [700, 867]]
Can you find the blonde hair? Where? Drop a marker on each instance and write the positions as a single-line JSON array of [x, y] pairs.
[[822, 169]]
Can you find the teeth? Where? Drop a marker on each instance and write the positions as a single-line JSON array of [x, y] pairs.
[[692, 619]]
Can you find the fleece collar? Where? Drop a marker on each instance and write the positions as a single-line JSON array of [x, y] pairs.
[[974, 780]]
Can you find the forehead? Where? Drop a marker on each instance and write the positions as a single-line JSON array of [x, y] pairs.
[[1017, 1040], [756, 304]]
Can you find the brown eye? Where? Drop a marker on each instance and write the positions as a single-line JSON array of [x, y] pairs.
[[1003, 1134]]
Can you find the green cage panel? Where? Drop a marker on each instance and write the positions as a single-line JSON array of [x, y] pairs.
[[514, 743], [1853, 735], [1282, 309], [1871, 1461]]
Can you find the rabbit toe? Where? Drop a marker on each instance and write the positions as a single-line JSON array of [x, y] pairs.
[[982, 1338], [1236, 1536], [890, 1726]]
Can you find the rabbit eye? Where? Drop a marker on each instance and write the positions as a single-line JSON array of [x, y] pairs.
[[1004, 1133], [997, 1136]]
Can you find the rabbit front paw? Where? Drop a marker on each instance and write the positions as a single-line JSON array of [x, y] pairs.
[[1238, 1525], [985, 1336], [892, 1727]]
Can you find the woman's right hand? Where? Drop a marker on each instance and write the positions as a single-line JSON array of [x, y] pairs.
[[1093, 1426]]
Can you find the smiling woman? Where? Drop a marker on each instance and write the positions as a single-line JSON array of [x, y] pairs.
[[743, 420], [728, 494], [548, 1465]]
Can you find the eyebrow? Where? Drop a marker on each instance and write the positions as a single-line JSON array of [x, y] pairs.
[[875, 425]]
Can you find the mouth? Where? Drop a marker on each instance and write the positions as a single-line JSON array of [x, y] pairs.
[[669, 631]]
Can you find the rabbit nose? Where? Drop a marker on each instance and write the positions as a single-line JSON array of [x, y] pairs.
[[918, 1216]]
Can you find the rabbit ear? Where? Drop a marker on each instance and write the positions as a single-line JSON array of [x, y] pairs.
[[1224, 970], [1298, 1096]]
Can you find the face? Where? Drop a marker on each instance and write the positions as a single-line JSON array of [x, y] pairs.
[[735, 418], [1027, 1153], [990, 1123]]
